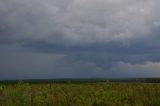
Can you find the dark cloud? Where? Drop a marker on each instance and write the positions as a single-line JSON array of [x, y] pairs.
[[77, 38]]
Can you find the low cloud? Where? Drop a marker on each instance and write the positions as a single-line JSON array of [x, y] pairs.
[[79, 38], [147, 69]]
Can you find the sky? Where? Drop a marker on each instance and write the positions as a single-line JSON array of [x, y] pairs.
[[42, 39]]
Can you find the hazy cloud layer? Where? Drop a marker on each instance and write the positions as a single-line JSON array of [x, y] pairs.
[[79, 38]]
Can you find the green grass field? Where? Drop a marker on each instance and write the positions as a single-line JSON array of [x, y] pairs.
[[80, 94]]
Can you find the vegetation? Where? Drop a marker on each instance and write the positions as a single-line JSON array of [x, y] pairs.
[[80, 94]]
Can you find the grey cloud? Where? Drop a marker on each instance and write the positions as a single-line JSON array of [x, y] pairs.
[[79, 38], [138, 52], [29, 65], [148, 69], [78, 21]]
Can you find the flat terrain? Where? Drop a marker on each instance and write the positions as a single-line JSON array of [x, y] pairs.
[[80, 94]]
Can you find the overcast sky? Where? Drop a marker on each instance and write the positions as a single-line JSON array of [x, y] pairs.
[[79, 39]]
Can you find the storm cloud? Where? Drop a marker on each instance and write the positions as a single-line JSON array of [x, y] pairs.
[[79, 38]]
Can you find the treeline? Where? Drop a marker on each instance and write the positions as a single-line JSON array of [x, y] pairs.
[[143, 80], [40, 81]]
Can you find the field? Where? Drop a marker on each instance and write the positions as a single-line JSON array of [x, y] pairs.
[[80, 94]]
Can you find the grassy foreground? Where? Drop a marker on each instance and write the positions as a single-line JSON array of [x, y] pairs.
[[81, 94]]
